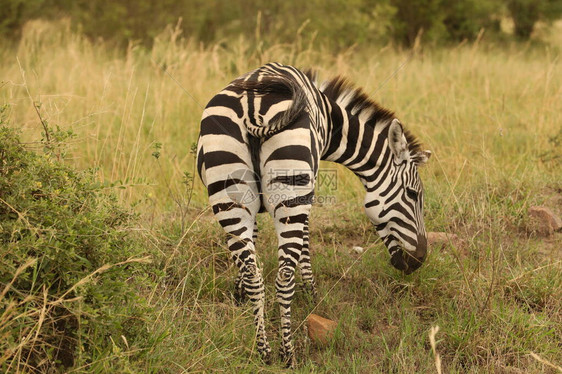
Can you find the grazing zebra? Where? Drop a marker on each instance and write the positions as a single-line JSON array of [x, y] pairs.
[[261, 141]]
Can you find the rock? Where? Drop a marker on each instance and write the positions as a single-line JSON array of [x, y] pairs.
[[320, 329], [441, 239], [543, 221], [358, 249]]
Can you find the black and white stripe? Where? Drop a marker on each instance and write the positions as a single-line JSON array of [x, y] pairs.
[[261, 141]]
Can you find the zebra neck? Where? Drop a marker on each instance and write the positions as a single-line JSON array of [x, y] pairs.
[[358, 142]]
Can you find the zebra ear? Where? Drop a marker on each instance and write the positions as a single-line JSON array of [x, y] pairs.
[[397, 141], [422, 157]]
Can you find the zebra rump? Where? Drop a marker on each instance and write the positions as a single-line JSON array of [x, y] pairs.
[[279, 89]]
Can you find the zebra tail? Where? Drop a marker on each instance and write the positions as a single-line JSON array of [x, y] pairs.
[[285, 89]]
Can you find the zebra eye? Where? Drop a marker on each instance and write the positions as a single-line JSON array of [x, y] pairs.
[[412, 194]]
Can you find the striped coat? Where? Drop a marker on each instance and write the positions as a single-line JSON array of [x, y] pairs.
[[261, 141]]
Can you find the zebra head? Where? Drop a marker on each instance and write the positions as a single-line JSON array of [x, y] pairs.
[[395, 202]]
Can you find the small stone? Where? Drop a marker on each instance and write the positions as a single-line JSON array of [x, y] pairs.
[[320, 329], [543, 221], [358, 249]]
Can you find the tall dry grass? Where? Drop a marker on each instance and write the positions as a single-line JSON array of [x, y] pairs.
[[475, 105]]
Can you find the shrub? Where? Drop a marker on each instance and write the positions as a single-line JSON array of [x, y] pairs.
[[14, 13], [414, 17], [465, 19], [526, 13], [67, 291], [442, 20]]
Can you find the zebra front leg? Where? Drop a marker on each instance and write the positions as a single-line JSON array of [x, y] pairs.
[[305, 266]]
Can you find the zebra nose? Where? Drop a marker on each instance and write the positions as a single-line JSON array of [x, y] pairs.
[[414, 260], [421, 248], [409, 261]]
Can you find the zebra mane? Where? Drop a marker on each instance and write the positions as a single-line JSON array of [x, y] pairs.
[[356, 101]]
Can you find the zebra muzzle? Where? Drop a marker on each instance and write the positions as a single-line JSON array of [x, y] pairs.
[[409, 261]]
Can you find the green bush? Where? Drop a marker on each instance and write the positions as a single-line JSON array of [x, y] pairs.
[[335, 23], [67, 291], [442, 20], [414, 17], [465, 19], [526, 13], [14, 13]]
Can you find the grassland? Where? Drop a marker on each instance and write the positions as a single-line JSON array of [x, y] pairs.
[[492, 115]]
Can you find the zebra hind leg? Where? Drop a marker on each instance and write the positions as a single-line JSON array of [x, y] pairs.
[[240, 296], [290, 232], [305, 267], [239, 293], [237, 220]]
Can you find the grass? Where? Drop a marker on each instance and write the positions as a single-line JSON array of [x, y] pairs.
[[491, 115]]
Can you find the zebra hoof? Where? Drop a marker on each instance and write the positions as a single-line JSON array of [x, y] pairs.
[[266, 358], [310, 292], [240, 297], [266, 355], [288, 359]]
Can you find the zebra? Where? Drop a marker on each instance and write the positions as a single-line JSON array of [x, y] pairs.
[[261, 140]]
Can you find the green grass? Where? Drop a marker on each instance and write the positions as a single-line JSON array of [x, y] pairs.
[[491, 115]]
